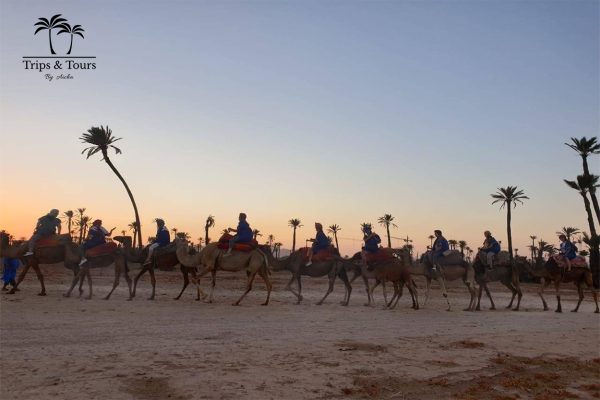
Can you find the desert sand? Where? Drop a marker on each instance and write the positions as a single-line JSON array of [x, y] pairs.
[[71, 348]]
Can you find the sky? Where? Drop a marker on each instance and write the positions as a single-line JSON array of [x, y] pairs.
[[335, 112]]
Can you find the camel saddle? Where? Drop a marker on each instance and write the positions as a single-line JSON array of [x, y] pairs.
[[51, 241], [101, 250], [327, 254], [502, 258], [160, 251], [383, 255], [453, 257], [239, 246], [577, 262]]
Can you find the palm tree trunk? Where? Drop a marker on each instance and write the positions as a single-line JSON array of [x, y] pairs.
[[594, 244], [586, 171], [71, 45], [69, 225], [509, 233], [387, 228], [337, 246], [294, 241], [50, 40], [137, 215], [206, 238], [134, 237]]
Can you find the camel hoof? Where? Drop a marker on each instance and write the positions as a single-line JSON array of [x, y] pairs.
[[235, 304], [515, 309], [546, 309], [88, 298], [130, 299], [42, 294], [575, 310], [319, 303], [597, 312], [106, 298], [558, 311], [175, 298], [492, 308], [266, 303], [66, 295]]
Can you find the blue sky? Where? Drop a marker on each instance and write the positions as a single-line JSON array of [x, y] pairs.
[[336, 112]]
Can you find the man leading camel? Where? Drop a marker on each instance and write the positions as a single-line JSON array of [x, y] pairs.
[[46, 226]]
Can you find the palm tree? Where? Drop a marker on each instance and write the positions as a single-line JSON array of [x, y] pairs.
[[69, 215], [75, 30], [55, 22], [174, 230], [183, 235], [386, 221], [271, 239], [462, 245], [568, 231], [277, 248], [151, 239], [584, 147], [83, 225], [210, 222], [365, 225], [532, 247], [295, 224], [133, 227], [334, 229], [431, 237], [123, 232], [256, 233], [452, 244], [102, 140], [509, 196]]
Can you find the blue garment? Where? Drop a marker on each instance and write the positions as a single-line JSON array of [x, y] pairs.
[[98, 236], [440, 245], [372, 243], [163, 237], [321, 242], [491, 246], [47, 225], [567, 249], [243, 232], [10, 270]]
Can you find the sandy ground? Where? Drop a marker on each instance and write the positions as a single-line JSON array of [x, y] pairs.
[[54, 347]]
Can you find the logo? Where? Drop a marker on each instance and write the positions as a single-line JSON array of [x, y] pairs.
[[59, 63]]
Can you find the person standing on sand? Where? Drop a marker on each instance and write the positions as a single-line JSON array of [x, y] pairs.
[[46, 226], [9, 272]]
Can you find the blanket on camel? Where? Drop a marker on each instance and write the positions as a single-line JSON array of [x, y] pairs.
[[240, 246]]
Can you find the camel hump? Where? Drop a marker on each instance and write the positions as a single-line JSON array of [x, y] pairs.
[[453, 257], [577, 262], [101, 250], [52, 241]]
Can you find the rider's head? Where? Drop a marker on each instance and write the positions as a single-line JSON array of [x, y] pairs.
[[160, 222], [437, 232], [366, 229], [487, 234], [562, 237], [97, 222], [242, 217], [318, 226], [53, 213]]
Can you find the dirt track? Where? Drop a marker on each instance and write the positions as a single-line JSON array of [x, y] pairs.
[[53, 347]]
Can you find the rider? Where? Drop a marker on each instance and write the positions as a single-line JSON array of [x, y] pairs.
[[46, 226], [96, 236], [243, 233], [440, 245], [371, 246], [320, 242], [163, 238], [490, 247], [567, 250]]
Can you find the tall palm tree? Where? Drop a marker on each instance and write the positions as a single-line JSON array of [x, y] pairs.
[[542, 247], [334, 229], [452, 244], [256, 233], [210, 222], [386, 221], [509, 197], [583, 185], [532, 247], [295, 224], [133, 227], [277, 249], [271, 239], [200, 240], [55, 22], [568, 231], [431, 237], [83, 225], [183, 235], [462, 244], [75, 30], [174, 230], [69, 215], [586, 147], [102, 140]]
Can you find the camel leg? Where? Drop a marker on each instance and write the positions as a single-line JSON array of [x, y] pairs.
[[298, 281], [442, 283], [332, 276], [517, 287], [213, 283], [344, 278], [580, 291], [76, 278], [472, 294], [489, 295], [414, 294], [186, 282], [264, 274], [20, 278], [595, 296], [400, 291], [116, 281], [427, 288], [152, 281], [366, 281], [557, 289], [385, 302], [40, 277], [290, 288], [251, 277], [89, 277], [196, 280], [75, 275], [543, 284], [135, 280], [394, 296], [478, 308]]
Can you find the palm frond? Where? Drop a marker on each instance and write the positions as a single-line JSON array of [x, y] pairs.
[[44, 20], [40, 29]]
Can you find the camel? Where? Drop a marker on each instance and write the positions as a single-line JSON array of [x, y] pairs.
[[115, 257], [397, 271], [452, 267], [160, 259], [550, 272], [213, 259], [296, 264], [503, 272], [358, 269], [189, 264], [42, 255]]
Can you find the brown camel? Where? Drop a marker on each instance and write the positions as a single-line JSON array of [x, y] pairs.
[[296, 264], [42, 255], [502, 271], [253, 262], [163, 257], [189, 264], [452, 267], [550, 272], [358, 269], [397, 270], [115, 257]]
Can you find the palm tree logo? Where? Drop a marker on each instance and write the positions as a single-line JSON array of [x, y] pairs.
[[75, 30], [57, 22], [54, 22]]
